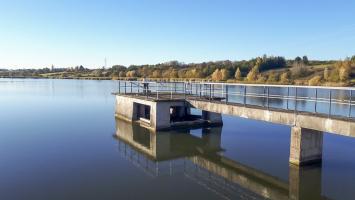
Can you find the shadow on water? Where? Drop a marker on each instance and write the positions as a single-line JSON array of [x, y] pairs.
[[201, 160]]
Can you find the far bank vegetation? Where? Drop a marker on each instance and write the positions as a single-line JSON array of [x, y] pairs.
[[265, 69]]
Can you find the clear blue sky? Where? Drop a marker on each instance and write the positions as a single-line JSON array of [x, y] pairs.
[[38, 33]]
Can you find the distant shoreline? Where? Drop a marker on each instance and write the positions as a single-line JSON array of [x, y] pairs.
[[340, 84]]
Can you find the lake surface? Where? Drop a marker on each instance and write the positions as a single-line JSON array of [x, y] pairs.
[[59, 139]]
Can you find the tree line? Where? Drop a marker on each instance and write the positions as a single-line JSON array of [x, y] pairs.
[[264, 69]]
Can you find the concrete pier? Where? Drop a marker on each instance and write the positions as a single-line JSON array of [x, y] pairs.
[[162, 114], [306, 146], [162, 110]]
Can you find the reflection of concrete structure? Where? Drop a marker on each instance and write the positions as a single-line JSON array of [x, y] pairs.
[[204, 164], [165, 146]]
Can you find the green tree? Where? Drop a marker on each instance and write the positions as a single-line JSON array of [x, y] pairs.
[[305, 60], [298, 59], [353, 59]]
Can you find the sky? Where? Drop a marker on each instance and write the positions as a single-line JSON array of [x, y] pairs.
[[68, 33]]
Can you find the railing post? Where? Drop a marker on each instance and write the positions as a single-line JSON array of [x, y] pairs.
[[222, 88], [330, 102], [350, 99], [119, 87], [315, 103], [146, 90], [157, 90], [212, 91], [131, 87], [288, 96], [268, 95], [296, 100], [200, 86], [138, 86], [171, 91], [125, 88], [184, 90], [245, 93], [226, 93]]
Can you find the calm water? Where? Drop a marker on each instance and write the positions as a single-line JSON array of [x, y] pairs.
[[59, 140]]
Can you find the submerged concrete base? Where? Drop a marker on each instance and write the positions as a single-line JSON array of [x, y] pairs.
[[305, 182], [306, 146], [212, 117]]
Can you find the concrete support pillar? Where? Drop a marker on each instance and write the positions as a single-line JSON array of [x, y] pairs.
[[305, 182], [212, 137], [125, 109], [160, 116], [306, 146], [212, 118]]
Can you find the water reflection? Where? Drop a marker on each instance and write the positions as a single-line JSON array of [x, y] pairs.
[[200, 159]]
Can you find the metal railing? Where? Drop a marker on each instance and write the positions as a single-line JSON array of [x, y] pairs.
[[331, 101]]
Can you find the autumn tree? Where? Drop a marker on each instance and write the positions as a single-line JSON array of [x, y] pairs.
[[253, 73], [326, 74], [273, 77], [238, 75], [224, 74], [156, 73], [299, 70], [217, 75], [285, 78], [98, 72], [344, 69], [316, 80], [131, 73], [122, 74]]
